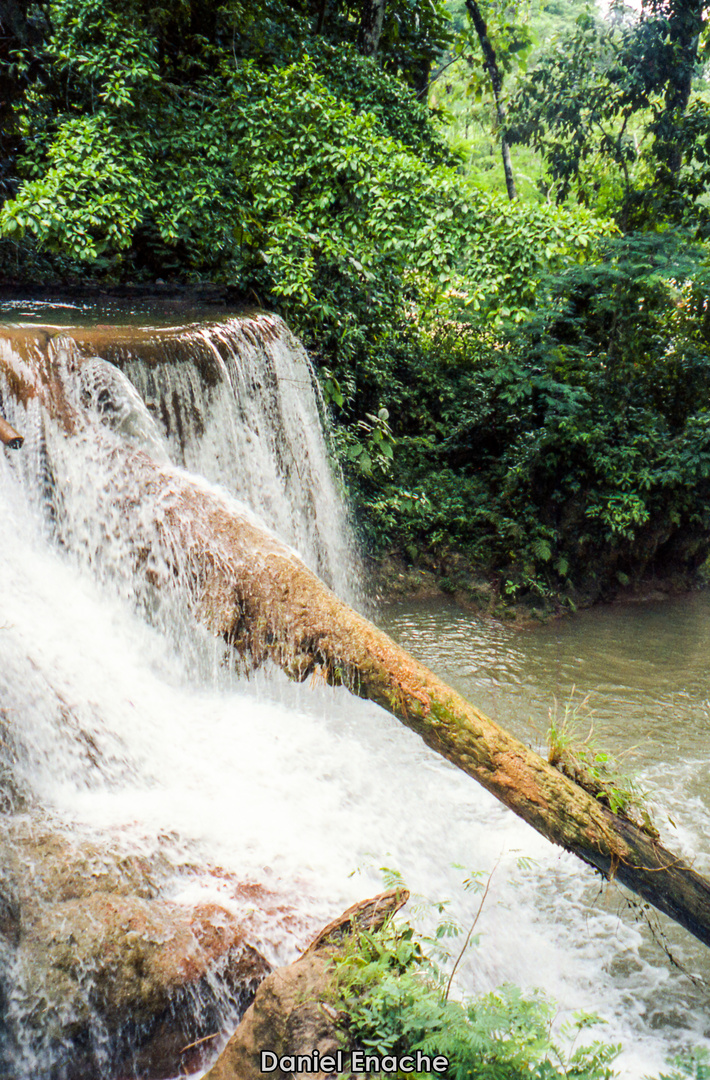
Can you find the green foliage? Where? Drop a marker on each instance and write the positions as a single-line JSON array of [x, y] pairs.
[[577, 109], [370, 445], [693, 1066], [319, 183], [512, 36], [688, 201], [613, 375], [572, 453], [502, 384], [393, 998], [521, 32], [579, 757], [369, 88], [605, 107], [85, 214]]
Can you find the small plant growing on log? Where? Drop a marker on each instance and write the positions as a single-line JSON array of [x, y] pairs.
[[595, 770]]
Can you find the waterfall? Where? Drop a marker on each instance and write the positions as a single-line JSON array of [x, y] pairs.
[[234, 401], [100, 660], [146, 784]]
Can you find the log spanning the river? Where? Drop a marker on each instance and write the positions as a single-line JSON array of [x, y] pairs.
[[256, 593], [251, 589]]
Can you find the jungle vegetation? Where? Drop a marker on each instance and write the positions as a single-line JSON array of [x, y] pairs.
[[518, 385], [393, 986]]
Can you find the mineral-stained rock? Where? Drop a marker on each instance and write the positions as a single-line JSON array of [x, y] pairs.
[[100, 974], [292, 1012], [289, 1016]]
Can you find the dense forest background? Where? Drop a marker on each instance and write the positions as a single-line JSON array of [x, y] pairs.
[[489, 222]]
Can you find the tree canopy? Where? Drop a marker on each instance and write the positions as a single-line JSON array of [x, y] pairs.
[[516, 381]]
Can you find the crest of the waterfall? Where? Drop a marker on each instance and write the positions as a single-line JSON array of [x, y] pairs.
[[238, 403], [235, 402]]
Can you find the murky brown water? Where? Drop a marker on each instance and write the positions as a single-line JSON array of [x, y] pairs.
[[636, 675], [645, 668]]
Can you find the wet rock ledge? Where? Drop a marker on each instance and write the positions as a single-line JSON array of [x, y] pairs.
[[100, 973], [103, 974], [291, 1013]]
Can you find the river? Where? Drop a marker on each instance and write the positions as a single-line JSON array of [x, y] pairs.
[[634, 680], [305, 788]]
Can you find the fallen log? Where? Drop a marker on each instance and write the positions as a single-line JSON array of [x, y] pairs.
[[252, 590]]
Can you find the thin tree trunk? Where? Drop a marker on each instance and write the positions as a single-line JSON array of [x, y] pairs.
[[321, 16], [491, 66], [372, 18], [683, 26], [18, 31]]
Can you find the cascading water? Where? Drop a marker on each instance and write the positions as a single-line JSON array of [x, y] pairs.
[[75, 519], [131, 747], [237, 404]]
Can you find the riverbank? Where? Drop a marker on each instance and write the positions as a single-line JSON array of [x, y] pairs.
[[394, 578]]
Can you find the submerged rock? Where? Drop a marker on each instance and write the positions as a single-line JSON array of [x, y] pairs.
[[101, 974]]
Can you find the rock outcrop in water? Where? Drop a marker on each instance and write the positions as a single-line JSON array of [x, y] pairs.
[[9, 437], [291, 1013], [100, 973]]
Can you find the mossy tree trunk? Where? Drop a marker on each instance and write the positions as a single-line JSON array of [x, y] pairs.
[[254, 592]]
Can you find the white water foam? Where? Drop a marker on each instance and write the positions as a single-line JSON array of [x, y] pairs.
[[240, 408], [298, 786]]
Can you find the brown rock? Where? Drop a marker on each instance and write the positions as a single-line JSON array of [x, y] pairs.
[[139, 954], [292, 1012], [100, 973], [287, 1017]]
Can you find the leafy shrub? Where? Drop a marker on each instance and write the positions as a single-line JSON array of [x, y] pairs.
[[395, 1002], [574, 448], [502, 385]]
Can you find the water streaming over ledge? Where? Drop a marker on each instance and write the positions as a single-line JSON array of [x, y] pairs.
[[125, 729]]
